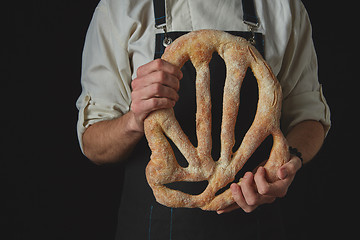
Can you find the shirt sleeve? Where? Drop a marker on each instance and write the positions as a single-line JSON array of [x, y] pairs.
[[106, 73], [303, 98]]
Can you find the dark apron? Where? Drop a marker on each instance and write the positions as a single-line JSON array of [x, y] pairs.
[[141, 217]]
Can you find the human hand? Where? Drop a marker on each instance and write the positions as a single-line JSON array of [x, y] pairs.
[[155, 87], [254, 190]]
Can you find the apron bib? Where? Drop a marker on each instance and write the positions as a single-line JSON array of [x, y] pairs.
[[141, 217]]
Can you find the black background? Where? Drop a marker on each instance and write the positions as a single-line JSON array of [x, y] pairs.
[[49, 190]]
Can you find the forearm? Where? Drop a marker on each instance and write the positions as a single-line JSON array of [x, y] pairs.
[[307, 137], [111, 141]]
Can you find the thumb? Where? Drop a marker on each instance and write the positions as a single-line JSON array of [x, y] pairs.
[[282, 173], [290, 168]]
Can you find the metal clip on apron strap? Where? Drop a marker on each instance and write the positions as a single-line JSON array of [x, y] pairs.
[[160, 20], [250, 19]]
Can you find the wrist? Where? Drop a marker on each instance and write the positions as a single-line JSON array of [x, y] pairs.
[[135, 125]]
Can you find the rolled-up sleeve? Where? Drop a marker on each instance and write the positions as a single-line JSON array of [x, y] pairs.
[[303, 97], [106, 73]]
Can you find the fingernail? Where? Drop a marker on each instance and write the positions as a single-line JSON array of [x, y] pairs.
[[234, 187], [247, 175], [220, 212]]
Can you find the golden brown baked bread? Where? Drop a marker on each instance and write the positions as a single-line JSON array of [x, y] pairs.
[[163, 168]]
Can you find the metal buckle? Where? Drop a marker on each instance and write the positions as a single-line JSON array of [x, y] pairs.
[[254, 25], [251, 27], [167, 40]]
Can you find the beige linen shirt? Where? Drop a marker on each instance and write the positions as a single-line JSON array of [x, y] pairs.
[[121, 37]]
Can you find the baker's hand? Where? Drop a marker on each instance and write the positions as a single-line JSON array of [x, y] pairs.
[[155, 87], [254, 190]]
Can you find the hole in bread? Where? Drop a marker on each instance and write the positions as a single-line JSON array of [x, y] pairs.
[[185, 107], [193, 188], [178, 155], [249, 95], [248, 104], [261, 154], [185, 110], [217, 83]]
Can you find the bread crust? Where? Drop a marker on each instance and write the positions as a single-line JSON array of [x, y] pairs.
[[238, 54]]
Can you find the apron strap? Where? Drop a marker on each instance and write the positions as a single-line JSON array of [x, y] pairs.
[[159, 12], [250, 16]]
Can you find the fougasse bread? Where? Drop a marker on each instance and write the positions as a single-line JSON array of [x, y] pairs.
[[163, 168]]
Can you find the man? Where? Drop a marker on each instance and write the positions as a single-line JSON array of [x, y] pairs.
[[122, 84]]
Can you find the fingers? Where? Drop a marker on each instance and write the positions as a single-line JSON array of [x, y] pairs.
[[156, 77], [159, 65], [249, 190], [246, 196], [154, 90], [279, 188], [239, 199], [230, 208], [254, 190], [146, 106], [251, 195], [290, 168], [155, 87]]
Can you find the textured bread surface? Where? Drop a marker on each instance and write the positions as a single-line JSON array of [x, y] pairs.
[[163, 168]]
